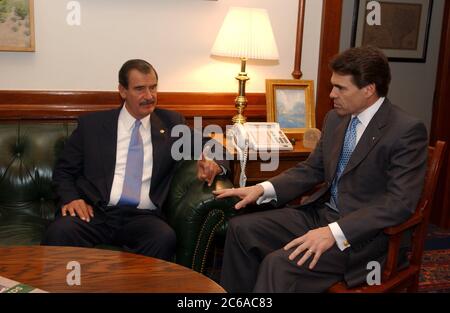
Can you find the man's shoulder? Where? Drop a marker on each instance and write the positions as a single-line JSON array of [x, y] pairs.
[[393, 113], [96, 117], [402, 118], [168, 115], [398, 123]]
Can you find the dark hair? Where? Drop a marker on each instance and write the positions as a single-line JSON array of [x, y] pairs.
[[137, 64], [367, 65]]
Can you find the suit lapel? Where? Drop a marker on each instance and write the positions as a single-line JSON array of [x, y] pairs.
[[160, 135], [108, 147], [370, 136], [338, 140]]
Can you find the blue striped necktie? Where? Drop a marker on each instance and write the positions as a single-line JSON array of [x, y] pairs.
[[131, 191], [346, 153]]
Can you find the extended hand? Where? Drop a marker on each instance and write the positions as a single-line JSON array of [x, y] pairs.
[[207, 170], [78, 207], [247, 194], [315, 242]]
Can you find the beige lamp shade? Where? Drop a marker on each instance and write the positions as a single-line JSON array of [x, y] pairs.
[[246, 33]]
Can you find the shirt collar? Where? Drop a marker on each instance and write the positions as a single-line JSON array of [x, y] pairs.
[[366, 116], [128, 120]]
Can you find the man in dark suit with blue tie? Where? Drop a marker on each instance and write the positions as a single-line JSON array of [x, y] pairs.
[[371, 162], [114, 173]]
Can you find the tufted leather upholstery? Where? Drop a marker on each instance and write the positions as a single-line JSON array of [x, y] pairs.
[[27, 154], [196, 215], [28, 151]]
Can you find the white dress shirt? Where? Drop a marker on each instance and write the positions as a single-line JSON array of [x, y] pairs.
[[124, 130], [269, 191]]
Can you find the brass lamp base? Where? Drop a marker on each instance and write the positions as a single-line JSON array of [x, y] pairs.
[[241, 104], [239, 119], [241, 99]]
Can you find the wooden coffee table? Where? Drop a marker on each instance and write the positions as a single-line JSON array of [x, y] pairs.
[[101, 271]]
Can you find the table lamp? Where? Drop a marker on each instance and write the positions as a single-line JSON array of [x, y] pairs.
[[246, 33]]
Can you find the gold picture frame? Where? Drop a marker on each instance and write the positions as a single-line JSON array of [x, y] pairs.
[[290, 102], [17, 25]]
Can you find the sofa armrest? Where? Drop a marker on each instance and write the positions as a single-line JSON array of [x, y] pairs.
[[195, 214]]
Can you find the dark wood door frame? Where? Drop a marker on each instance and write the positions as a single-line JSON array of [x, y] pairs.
[[329, 46], [440, 128]]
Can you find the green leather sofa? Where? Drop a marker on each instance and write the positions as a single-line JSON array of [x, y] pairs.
[[28, 151]]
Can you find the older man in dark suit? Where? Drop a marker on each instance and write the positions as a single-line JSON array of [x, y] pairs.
[[114, 173], [371, 160]]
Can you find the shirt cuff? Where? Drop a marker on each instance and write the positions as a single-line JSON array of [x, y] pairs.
[[268, 195], [339, 236], [224, 170], [206, 154]]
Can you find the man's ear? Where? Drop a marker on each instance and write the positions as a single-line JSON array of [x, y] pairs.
[[122, 91], [370, 90]]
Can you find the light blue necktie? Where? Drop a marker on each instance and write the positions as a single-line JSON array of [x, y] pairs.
[[346, 153], [131, 192]]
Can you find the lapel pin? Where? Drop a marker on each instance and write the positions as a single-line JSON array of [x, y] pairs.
[[373, 138], [162, 131]]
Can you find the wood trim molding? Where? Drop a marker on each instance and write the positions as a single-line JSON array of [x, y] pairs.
[[215, 108], [297, 73], [329, 46], [440, 128]]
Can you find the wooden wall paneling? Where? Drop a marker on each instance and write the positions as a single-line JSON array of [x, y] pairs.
[[440, 127], [215, 108]]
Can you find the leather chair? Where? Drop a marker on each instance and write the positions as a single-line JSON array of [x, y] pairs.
[[28, 151], [395, 278]]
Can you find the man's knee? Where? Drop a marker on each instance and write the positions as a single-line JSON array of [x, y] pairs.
[[168, 238], [61, 231], [241, 224], [277, 273], [163, 246], [275, 259]]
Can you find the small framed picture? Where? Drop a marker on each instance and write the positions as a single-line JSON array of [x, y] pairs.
[[399, 27], [290, 102], [16, 25]]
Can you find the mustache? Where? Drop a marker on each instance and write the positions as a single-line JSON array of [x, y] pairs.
[[147, 102]]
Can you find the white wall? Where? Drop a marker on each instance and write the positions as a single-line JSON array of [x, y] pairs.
[[174, 35], [413, 84]]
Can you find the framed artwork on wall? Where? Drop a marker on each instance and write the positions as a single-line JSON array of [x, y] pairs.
[[290, 102], [17, 25], [403, 30]]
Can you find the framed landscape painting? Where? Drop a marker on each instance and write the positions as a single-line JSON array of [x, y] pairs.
[[16, 25], [290, 102]]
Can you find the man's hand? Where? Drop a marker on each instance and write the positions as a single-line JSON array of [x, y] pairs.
[[247, 194], [207, 170], [315, 242], [78, 208]]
